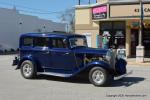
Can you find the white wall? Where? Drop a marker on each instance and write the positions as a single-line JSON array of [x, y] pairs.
[[8, 29], [12, 24]]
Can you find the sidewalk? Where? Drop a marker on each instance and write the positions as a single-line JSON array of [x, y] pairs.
[[132, 61]]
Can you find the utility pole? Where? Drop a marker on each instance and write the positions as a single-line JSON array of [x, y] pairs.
[[141, 23], [89, 1], [140, 48], [79, 1]]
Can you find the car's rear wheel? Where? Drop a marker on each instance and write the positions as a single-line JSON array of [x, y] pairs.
[[98, 76], [28, 69]]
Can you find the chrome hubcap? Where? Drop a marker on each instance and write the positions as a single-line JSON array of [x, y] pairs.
[[27, 70], [98, 76]]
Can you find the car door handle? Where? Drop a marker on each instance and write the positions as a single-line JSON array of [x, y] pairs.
[[67, 53], [46, 52]]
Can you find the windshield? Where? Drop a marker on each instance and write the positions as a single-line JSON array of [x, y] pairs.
[[78, 42]]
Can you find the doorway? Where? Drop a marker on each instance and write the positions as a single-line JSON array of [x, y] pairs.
[[146, 41], [134, 41], [115, 31]]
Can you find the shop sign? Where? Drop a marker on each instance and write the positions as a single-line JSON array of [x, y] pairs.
[[147, 25], [135, 24], [99, 12], [130, 11], [145, 10]]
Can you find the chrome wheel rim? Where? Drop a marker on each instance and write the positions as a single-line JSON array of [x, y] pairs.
[[27, 70], [98, 76]]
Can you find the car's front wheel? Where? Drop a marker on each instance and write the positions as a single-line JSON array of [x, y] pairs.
[[98, 76], [28, 69]]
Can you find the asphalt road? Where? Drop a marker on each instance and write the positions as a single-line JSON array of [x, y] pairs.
[[14, 87]]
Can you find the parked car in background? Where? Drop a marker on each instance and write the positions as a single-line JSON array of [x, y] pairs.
[[66, 55]]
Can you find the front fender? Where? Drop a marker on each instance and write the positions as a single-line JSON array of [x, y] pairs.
[[102, 64]]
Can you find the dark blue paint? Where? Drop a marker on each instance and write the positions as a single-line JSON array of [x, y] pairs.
[[91, 51], [66, 61]]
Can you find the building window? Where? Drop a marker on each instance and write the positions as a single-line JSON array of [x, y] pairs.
[[115, 31], [146, 38]]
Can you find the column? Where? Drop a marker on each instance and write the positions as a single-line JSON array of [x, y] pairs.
[[128, 40], [140, 47]]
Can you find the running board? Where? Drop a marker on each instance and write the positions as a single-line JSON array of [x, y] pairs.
[[54, 74], [124, 75]]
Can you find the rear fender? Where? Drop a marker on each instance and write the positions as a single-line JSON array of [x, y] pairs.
[[25, 58]]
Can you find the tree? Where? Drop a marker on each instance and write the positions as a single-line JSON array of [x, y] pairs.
[[68, 17]]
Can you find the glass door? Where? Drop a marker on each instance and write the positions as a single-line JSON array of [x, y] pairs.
[[134, 41], [115, 31], [146, 41]]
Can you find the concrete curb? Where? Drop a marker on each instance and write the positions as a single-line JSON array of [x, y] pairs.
[[139, 64]]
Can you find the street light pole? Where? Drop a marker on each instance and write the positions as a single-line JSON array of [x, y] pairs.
[[79, 2], [89, 1], [140, 48], [141, 23]]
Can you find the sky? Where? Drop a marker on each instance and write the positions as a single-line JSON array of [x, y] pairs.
[[46, 9]]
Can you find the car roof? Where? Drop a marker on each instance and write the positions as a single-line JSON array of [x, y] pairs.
[[52, 34]]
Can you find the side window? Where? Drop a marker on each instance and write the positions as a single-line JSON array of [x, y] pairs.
[[41, 42], [27, 41], [59, 43]]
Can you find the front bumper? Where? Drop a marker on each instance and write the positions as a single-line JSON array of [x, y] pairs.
[[124, 75], [15, 61]]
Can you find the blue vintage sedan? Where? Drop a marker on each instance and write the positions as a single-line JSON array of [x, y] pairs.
[[66, 55]]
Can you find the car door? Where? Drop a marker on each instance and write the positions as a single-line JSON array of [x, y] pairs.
[[62, 57], [41, 52]]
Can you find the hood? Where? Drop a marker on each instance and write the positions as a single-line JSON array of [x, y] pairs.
[[91, 51]]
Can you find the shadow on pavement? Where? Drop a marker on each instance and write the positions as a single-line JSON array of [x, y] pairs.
[[77, 79], [127, 81]]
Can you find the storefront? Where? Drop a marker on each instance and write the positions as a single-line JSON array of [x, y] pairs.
[[119, 21], [115, 30]]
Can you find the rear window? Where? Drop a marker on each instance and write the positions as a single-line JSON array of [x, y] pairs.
[[28, 41], [41, 42]]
